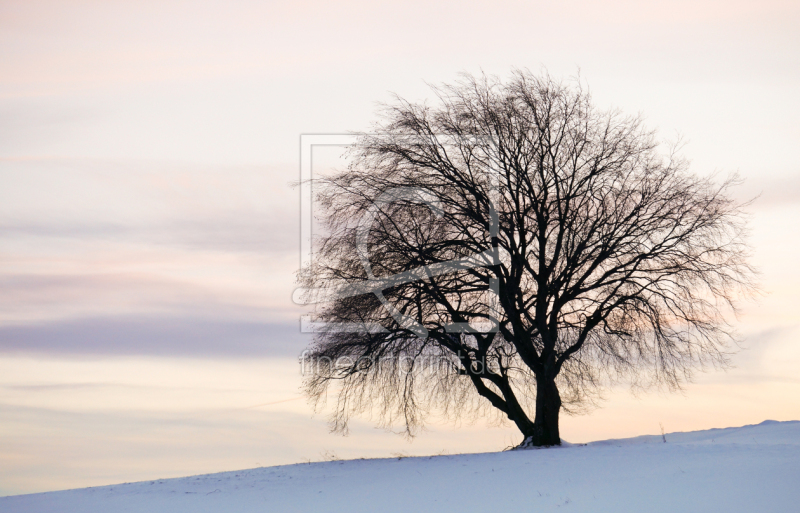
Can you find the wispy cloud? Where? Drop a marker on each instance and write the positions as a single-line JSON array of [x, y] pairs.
[[154, 336], [265, 234], [86, 238]]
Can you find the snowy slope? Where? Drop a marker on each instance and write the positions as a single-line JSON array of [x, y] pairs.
[[746, 469]]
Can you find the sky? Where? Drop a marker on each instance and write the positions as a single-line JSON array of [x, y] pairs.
[[149, 231]]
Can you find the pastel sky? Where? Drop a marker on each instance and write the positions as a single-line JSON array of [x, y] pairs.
[[149, 233]]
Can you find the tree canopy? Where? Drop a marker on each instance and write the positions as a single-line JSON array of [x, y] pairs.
[[514, 249]]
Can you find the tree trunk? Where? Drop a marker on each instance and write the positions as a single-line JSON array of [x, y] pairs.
[[548, 405]]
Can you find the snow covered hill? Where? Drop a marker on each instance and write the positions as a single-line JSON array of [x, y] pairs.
[[746, 469]]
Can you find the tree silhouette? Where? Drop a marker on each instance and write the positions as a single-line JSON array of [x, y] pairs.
[[513, 247]]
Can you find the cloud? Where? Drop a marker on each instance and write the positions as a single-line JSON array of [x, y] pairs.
[[155, 336], [233, 233], [227, 208], [770, 192]]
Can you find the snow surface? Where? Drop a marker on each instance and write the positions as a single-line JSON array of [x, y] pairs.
[[746, 469]]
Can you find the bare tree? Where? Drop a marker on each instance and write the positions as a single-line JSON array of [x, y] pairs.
[[513, 249]]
